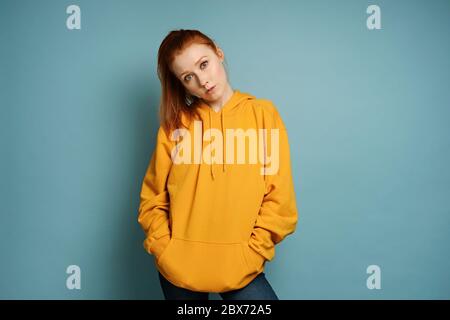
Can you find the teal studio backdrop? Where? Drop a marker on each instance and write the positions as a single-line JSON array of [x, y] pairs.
[[366, 111]]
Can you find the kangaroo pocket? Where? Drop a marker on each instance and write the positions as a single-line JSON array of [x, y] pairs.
[[209, 267]]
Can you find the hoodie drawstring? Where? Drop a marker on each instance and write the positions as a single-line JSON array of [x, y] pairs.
[[222, 118], [223, 142], [211, 167], [236, 99]]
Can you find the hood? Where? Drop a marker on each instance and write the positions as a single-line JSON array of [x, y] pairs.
[[236, 101]]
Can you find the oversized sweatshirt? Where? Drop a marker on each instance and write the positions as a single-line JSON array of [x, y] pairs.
[[217, 197]]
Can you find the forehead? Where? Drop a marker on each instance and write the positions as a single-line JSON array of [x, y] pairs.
[[186, 60]]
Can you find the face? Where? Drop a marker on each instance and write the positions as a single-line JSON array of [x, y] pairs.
[[199, 69]]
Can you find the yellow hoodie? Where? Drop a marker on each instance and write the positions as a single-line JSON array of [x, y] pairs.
[[212, 227]]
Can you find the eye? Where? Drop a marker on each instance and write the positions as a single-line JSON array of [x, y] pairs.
[[204, 63]]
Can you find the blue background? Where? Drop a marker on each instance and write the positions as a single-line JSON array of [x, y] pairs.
[[366, 111]]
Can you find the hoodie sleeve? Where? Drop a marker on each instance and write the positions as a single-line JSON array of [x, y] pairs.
[[154, 197], [278, 215]]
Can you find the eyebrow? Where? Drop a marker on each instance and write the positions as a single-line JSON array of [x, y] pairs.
[[181, 75]]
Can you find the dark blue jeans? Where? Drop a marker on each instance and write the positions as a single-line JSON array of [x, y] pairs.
[[258, 289]]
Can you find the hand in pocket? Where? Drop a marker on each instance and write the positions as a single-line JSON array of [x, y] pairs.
[[160, 245]]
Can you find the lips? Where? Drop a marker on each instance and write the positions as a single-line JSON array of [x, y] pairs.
[[210, 90]]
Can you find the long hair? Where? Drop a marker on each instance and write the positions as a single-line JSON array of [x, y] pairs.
[[175, 100]]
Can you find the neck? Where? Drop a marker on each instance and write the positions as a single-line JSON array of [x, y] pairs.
[[217, 104]]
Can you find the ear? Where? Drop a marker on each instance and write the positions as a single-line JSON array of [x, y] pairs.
[[220, 54]]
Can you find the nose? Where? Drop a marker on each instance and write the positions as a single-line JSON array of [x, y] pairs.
[[203, 81]]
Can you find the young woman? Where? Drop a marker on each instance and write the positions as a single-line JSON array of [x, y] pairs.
[[218, 194]]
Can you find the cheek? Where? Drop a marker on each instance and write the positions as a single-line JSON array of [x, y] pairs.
[[219, 72], [191, 85]]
